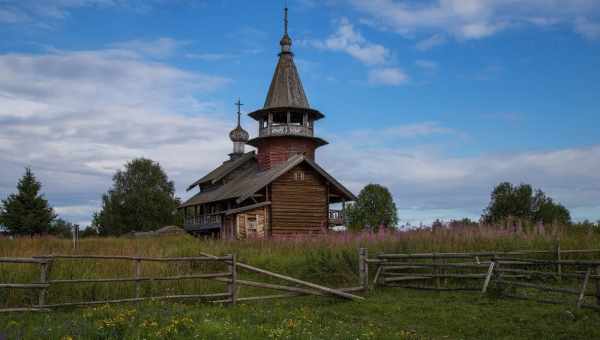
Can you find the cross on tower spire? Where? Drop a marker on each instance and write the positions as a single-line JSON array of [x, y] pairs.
[[286, 41], [285, 19], [239, 111]]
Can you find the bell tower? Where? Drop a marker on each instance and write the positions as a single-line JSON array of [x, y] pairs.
[[286, 123]]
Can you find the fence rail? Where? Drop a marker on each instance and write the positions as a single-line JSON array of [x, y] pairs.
[[229, 278], [429, 271], [515, 269], [46, 283]]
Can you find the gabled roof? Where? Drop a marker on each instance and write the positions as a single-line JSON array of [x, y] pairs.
[[286, 88], [275, 172], [251, 181], [223, 170]]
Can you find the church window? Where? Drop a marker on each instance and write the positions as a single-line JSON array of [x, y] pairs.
[[296, 118], [280, 118], [299, 175]]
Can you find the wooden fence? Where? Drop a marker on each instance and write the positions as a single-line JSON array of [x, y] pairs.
[[477, 271], [45, 264], [229, 277]]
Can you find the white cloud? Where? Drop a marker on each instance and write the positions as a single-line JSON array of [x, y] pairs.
[[387, 76], [18, 11], [159, 48], [427, 65], [211, 56], [348, 40], [428, 184], [476, 19], [589, 29], [76, 117], [431, 42], [418, 130]]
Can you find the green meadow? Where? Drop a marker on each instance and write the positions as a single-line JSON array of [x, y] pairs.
[[387, 313]]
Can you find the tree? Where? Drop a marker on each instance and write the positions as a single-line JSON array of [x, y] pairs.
[[520, 202], [374, 207], [89, 232], [546, 211], [142, 198], [61, 228], [27, 212]]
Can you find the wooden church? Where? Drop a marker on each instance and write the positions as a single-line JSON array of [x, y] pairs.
[[279, 190]]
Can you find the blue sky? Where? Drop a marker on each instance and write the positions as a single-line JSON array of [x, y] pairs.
[[439, 100]]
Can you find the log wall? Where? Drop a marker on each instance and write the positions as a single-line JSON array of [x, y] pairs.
[[279, 150], [298, 206]]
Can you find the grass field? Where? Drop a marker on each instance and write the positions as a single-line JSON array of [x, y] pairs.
[[390, 313]]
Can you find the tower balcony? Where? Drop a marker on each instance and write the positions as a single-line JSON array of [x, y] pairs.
[[286, 130]]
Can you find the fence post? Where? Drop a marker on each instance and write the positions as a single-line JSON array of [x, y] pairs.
[[583, 287], [43, 280], [232, 286], [363, 268], [558, 265], [436, 270], [138, 273], [488, 278], [598, 285]]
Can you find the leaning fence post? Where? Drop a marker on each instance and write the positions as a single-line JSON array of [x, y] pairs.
[[232, 286], [138, 273], [363, 268], [43, 280], [489, 276], [583, 287]]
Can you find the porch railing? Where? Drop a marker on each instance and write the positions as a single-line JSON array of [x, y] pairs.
[[337, 217], [203, 221]]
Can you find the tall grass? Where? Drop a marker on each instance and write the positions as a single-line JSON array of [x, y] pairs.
[[329, 259]]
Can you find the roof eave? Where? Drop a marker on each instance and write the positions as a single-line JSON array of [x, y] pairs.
[[254, 141], [246, 157], [260, 112]]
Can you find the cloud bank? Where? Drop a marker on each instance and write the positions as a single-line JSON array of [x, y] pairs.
[[76, 117], [477, 19]]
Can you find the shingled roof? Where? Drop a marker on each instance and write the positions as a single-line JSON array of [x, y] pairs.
[[286, 88], [251, 181], [222, 170]]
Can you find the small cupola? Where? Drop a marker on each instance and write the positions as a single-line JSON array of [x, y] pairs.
[[238, 136]]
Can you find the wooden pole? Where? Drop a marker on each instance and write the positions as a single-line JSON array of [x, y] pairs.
[[436, 271], [558, 265], [232, 285], [583, 287], [43, 280], [377, 274], [363, 268], [138, 273], [488, 277], [598, 285]]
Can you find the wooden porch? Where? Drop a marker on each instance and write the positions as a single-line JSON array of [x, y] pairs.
[[200, 223]]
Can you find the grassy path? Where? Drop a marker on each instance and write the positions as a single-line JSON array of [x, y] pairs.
[[388, 314]]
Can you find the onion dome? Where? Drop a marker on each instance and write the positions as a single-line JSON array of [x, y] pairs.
[[285, 41], [239, 135]]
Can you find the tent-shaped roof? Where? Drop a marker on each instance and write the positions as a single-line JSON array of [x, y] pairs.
[[286, 88]]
